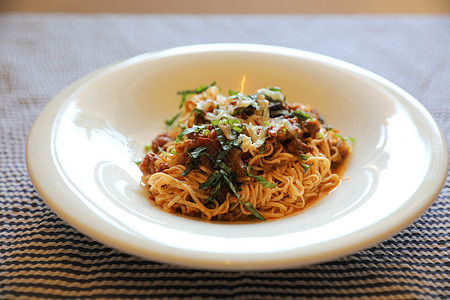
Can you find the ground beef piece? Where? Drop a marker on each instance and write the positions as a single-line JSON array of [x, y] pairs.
[[297, 147], [150, 165], [279, 134], [343, 149], [212, 149], [160, 141], [312, 127], [235, 162]]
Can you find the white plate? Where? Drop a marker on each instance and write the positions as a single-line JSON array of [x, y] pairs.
[[82, 148]]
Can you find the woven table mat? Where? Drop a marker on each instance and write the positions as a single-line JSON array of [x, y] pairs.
[[43, 257]]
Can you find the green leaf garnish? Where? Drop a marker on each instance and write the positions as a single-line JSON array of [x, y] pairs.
[[188, 169], [232, 93], [304, 157], [195, 128], [340, 136], [238, 111], [198, 90], [171, 121], [305, 167], [260, 179], [213, 178], [195, 152], [262, 148], [254, 212], [301, 115]]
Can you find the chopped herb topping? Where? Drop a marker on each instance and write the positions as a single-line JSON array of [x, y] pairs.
[[301, 115], [305, 167], [260, 179], [195, 128], [198, 90], [232, 93], [171, 121], [262, 148], [304, 157]]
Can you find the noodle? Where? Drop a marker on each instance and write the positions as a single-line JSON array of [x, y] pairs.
[[229, 158]]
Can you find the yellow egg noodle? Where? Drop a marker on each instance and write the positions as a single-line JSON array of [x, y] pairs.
[[227, 158]]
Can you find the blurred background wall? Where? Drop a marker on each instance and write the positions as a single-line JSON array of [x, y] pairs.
[[229, 6]]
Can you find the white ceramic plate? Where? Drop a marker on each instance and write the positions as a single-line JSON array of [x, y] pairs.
[[82, 149]]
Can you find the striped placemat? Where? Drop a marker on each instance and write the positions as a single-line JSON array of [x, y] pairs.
[[42, 257]]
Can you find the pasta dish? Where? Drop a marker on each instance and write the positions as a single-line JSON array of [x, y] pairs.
[[234, 157]]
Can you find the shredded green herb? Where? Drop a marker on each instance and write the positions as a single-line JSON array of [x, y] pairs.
[[262, 148], [301, 115], [188, 169], [304, 157], [171, 121], [305, 167], [232, 93], [195, 128], [260, 179], [198, 90]]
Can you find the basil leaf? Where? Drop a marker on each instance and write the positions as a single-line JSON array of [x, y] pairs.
[[171, 121], [188, 169], [183, 100], [232, 93], [195, 128], [261, 179], [214, 192], [305, 167], [304, 157], [198, 90], [262, 148], [301, 115], [195, 152], [238, 111], [230, 184], [255, 213], [210, 181]]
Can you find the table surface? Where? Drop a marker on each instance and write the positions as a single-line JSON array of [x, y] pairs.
[[43, 257]]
